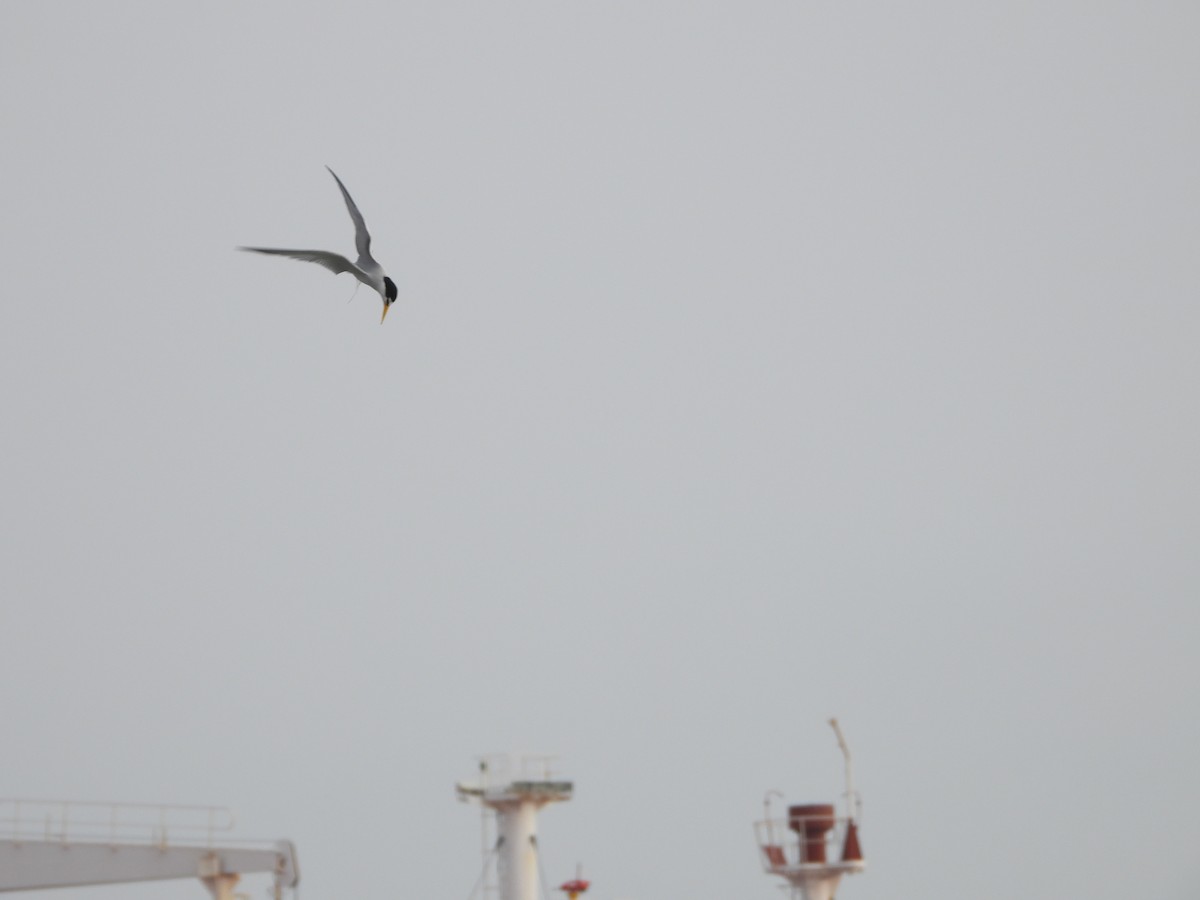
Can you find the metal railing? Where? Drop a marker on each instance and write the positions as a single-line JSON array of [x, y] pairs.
[[71, 821], [782, 847]]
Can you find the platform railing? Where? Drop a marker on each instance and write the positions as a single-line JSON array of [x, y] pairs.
[[70, 821], [782, 847]]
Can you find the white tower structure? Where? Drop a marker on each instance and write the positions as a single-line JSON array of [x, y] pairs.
[[801, 847], [515, 793]]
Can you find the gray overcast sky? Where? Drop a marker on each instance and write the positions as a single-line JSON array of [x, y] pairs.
[[754, 362]]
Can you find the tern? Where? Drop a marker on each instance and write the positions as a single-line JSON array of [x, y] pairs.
[[366, 269]]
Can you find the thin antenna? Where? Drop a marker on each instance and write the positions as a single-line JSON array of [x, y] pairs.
[[850, 795], [485, 839]]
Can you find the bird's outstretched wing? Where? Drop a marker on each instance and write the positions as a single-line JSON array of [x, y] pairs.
[[334, 262], [362, 237]]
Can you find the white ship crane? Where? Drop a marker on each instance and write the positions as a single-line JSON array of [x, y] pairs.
[[53, 843]]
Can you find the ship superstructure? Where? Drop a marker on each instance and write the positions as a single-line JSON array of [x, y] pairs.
[[55, 843], [812, 847]]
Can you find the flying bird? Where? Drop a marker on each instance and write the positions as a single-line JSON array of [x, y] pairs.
[[366, 269]]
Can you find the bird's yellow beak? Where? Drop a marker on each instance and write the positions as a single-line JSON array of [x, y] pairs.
[[386, 307]]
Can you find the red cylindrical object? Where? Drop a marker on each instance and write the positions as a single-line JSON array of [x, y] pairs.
[[811, 821]]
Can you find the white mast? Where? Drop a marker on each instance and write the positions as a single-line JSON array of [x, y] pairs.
[[516, 798]]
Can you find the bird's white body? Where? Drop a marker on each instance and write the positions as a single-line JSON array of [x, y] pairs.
[[369, 273], [365, 268]]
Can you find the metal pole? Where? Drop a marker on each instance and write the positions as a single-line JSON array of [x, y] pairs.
[[850, 795]]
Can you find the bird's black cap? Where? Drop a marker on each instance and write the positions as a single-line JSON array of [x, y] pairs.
[[389, 288]]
